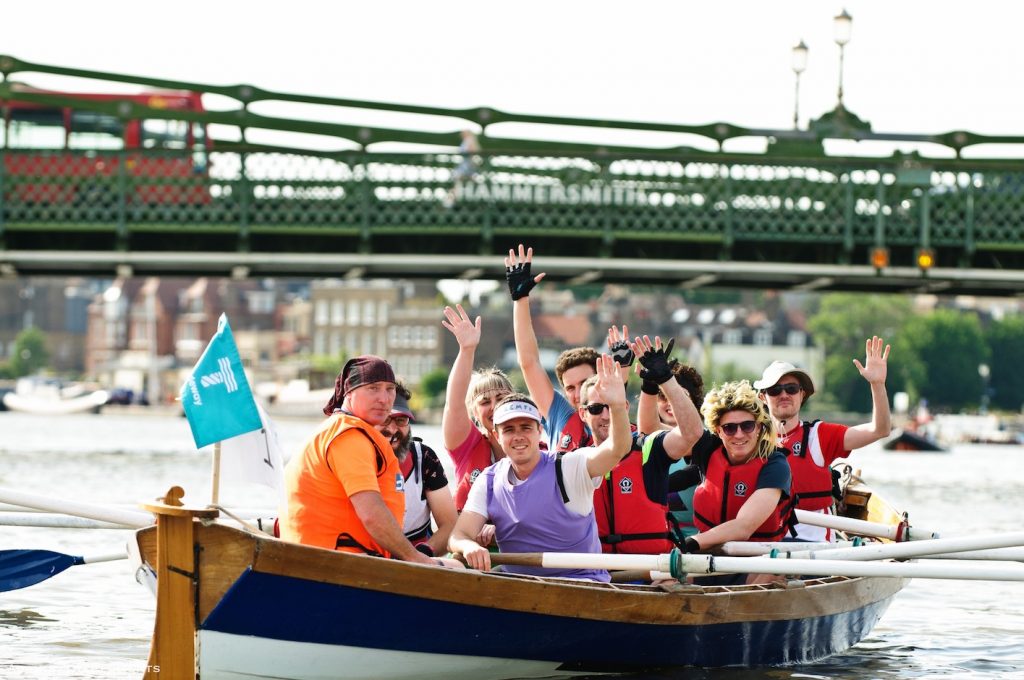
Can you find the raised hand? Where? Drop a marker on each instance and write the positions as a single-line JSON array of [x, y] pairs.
[[875, 365], [517, 272], [656, 360], [609, 388], [618, 345], [466, 332]]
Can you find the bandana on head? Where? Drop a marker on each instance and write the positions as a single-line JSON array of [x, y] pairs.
[[363, 370]]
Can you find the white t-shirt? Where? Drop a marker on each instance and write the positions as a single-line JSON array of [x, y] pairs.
[[579, 486]]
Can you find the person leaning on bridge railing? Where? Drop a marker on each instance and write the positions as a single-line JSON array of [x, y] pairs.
[[812, 447]]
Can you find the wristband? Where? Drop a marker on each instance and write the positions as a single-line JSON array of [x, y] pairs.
[[690, 545], [650, 387]]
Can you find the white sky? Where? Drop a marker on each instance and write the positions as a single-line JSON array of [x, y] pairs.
[[911, 66]]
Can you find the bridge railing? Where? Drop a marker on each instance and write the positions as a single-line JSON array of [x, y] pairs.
[[699, 206]]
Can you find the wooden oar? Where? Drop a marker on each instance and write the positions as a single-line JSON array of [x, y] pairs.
[[884, 551], [23, 568], [706, 564], [128, 518], [894, 532]]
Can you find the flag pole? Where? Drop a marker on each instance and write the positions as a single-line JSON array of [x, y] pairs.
[[215, 492]]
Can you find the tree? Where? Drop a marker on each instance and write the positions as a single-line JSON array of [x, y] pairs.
[[949, 346], [843, 322], [433, 384], [29, 353], [1005, 340]]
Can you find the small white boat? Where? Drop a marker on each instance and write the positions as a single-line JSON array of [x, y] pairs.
[[44, 397]]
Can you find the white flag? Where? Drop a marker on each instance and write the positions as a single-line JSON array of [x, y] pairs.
[[256, 456]]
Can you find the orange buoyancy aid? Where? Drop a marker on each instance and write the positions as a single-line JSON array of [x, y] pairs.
[[320, 512], [628, 521], [726, 487], [812, 476]]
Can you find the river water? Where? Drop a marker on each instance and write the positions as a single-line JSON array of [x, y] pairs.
[[94, 621]]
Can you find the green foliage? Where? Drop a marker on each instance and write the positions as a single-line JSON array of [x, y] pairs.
[[944, 350], [843, 323], [1005, 340], [433, 385], [723, 373], [29, 353]]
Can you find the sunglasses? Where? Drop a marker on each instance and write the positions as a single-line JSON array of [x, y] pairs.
[[747, 426], [788, 388], [397, 421], [596, 409]]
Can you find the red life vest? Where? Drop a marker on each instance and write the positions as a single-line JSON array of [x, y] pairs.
[[574, 435], [628, 521], [812, 483], [479, 458], [726, 487]]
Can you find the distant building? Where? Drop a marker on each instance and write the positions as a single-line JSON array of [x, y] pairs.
[[398, 320], [57, 307]]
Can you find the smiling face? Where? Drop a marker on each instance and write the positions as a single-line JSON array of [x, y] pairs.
[[371, 402], [740, 445], [600, 423], [483, 408], [665, 411], [785, 406], [573, 379], [398, 431], [520, 440]]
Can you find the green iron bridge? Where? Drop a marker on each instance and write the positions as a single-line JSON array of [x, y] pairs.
[[151, 184]]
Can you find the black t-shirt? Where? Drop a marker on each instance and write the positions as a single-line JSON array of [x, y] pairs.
[[656, 467]]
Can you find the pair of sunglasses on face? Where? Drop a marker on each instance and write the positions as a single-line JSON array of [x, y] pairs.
[[595, 409], [776, 390], [747, 426]]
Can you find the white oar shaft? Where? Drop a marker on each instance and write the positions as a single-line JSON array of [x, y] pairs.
[[102, 513], [921, 548], [754, 548], [701, 564], [999, 554], [605, 561], [92, 559], [54, 521], [894, 532]]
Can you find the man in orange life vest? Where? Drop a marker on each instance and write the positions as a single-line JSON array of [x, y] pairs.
[[812, 447], [345, 489]]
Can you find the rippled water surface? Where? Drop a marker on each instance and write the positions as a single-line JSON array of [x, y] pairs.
[[94, 621]]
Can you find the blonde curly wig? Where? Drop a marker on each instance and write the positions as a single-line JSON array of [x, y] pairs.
[[740, 396]]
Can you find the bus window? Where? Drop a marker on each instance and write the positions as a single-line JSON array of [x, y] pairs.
[[92, 130], [34, 128], [164, 134]]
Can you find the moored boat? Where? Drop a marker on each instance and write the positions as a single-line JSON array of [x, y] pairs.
[[49, 398], [908, 440], [232, 604]]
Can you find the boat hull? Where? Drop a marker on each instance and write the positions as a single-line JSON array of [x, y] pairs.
[[271, 609]]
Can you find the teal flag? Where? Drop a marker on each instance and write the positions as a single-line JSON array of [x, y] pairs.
[[217, 399]]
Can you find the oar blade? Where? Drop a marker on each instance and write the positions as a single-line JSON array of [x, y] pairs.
[[24, 568]]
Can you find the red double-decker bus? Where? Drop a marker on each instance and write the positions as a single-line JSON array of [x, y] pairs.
[[71, 154]]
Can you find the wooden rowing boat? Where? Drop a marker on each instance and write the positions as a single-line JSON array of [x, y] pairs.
[[232, 604]]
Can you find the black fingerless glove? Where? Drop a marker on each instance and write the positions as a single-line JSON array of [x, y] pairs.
[[657, 364], [622, 354], [649, 387], [690, 545], [520, 280], [425, 549]]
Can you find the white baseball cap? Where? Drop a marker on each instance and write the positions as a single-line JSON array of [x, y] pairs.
[[511, 410], [777, 369]]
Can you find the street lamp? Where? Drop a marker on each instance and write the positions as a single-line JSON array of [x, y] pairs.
[[799, 65], [842, 26]]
